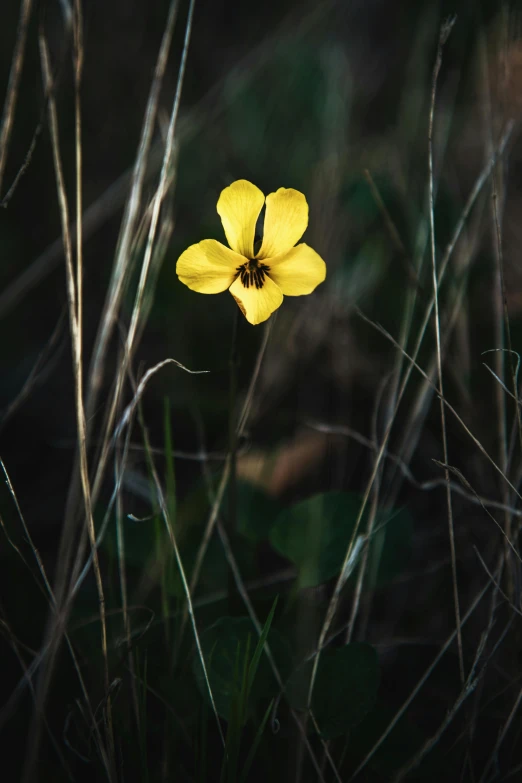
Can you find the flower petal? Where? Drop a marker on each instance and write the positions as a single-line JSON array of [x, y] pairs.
[[208, 267], [298, 271], [239, 206], [257, 304], [286, 219]]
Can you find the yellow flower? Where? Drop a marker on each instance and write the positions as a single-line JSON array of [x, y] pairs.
[[257, 281]]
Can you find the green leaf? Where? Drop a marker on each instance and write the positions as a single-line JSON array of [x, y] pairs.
[[256, 511], [315, 534], [225, 645], [345, 687]]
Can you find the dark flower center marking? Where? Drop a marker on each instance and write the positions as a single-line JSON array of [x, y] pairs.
[[252, 273]]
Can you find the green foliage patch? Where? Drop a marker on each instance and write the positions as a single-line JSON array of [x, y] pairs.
[[315, 535], [345, 687]]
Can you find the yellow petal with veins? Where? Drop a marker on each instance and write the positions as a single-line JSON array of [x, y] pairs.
[[239, 206], [208, 267], [257, 304], [286, 219], [298, 271]]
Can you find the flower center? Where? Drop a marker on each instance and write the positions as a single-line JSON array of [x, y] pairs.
[[252, 273]]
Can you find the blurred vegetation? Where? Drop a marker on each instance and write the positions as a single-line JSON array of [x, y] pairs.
[[320, 568]]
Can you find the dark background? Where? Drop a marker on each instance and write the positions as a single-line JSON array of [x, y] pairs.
[[290, 93], [293, 94]]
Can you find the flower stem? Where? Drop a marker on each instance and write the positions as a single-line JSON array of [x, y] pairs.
[[232, 423]]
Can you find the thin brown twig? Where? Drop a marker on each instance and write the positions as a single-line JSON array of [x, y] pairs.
[[4, 201], [421, 683], [66, 548], [424, 486], [124, 423], [46, 586], [450, 407], [120, 277], [465, 482], [159, 197], [122, 262], [468, 688], [495, 582], [14, 83], [411, 430], [72, 295], [17, 646], [502, 736], [479, 184]]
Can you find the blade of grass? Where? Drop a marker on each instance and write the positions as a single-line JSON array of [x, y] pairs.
[[32, 670], [120, 275], [158, 200], [241, 587], [238, 712], [255, 744], [332, 607], [160, 495], [468, 688], [444, 34], [421, 682], [254, 663], [74, 309], [450, 407], [170, 480], [122, 262], [17, 63]]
